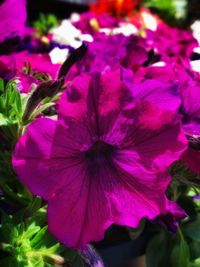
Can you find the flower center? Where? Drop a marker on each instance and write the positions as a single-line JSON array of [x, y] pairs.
[[99, 150]]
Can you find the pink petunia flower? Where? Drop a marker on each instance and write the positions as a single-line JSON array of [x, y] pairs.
[[109, 52], [13, 18], [90, 22], [19, 64], [103, 55], [173, 44], [163, 93], [135, 53], [191, 124], [103, 161]]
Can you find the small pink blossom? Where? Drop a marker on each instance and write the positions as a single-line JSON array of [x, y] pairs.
[[19, 64]]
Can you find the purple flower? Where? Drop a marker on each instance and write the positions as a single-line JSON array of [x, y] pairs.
[[27, 66], [191, 158], [165, 73], [104, 53], [135, 53], [164, 94], [109, 52], [103, 161], [171, 219], [173, 44], [90, 22], [13, 18], [190, 110]]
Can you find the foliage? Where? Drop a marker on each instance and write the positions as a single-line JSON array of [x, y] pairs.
[[45, 23], [24, 238], [25, 241], [181, 249], [172, 11]]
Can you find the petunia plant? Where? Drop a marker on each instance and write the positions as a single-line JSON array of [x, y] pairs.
[[103, 142]]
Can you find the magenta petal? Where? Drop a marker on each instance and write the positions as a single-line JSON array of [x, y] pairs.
[[104, 53], [135, 54], [92, 96], [191, 102], [191, 158], [177, 211], [72, 103], [85, 208], [154, 136], [80, 212], [32, 158], [13, 17], [44, 152], [40, 63], [165, 95], [26, 82], [192, 128]]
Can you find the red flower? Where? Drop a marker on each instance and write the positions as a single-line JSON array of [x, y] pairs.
[[115, 7]]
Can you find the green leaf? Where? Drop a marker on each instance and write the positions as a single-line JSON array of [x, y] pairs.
[[70, 254], [38, 237], [9, 233], [45, 23], [9, 262], [78, 262], [31, 231], [173, 11], [10, 112], [1, 86], [20, 228], [52, 250], [41, 109], [5, 219], [192, 229], [196, 263], [36, 262], [157, 243], [194, 249], [35, 205], [180, 253], [3, 120]]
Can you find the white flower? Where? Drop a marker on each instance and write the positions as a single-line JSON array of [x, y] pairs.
[[58, 56], [67, 34]]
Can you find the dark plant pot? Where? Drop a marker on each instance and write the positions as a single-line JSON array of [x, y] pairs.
[[122, 253]]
